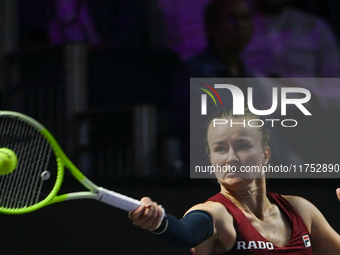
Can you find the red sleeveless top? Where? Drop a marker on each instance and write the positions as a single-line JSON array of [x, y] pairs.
[[250, 241]]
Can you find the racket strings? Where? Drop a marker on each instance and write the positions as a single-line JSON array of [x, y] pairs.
[[6, 138], [28, 184], [22, 187], [11, 179], [15, 180]]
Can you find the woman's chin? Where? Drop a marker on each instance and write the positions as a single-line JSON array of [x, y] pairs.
[[236, 176], [231, 179]]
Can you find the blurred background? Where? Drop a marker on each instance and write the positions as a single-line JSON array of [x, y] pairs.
[[101, 76]]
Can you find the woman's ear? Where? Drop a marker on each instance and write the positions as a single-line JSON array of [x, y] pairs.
[[266, 154]]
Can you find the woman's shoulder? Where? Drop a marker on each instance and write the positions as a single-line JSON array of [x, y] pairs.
[[297, 202], [300, 204], [212, 207], [217, 211], [303, 207]]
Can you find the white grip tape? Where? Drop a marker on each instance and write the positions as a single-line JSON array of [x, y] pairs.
[[118, 200]]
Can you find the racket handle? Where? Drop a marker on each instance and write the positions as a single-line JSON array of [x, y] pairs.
[[118, 200]]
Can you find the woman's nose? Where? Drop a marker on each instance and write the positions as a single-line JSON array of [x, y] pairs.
[[231, 157]]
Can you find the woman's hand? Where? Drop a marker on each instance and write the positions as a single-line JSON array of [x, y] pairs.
[[148, 216]]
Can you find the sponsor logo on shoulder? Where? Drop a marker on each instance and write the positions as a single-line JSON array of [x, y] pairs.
[[306, 240]]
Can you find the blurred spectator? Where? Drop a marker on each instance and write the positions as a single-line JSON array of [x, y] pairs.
[[228, 27], [71, 22], [291, 43], [183, 28], [183, 25]]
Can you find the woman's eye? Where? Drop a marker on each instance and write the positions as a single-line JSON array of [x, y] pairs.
[[220, 149], [243, 146]]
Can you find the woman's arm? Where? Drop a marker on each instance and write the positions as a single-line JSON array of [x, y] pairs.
[[325, 240], [201, 226], [190, 231]]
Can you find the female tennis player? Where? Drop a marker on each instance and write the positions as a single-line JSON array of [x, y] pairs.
[[243, 218]]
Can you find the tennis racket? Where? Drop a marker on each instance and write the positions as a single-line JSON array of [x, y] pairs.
[[41, 165]]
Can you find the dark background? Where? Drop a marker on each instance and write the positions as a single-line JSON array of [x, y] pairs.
[[130, 72]]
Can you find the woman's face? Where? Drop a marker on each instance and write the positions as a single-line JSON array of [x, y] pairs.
[[237, 148]]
